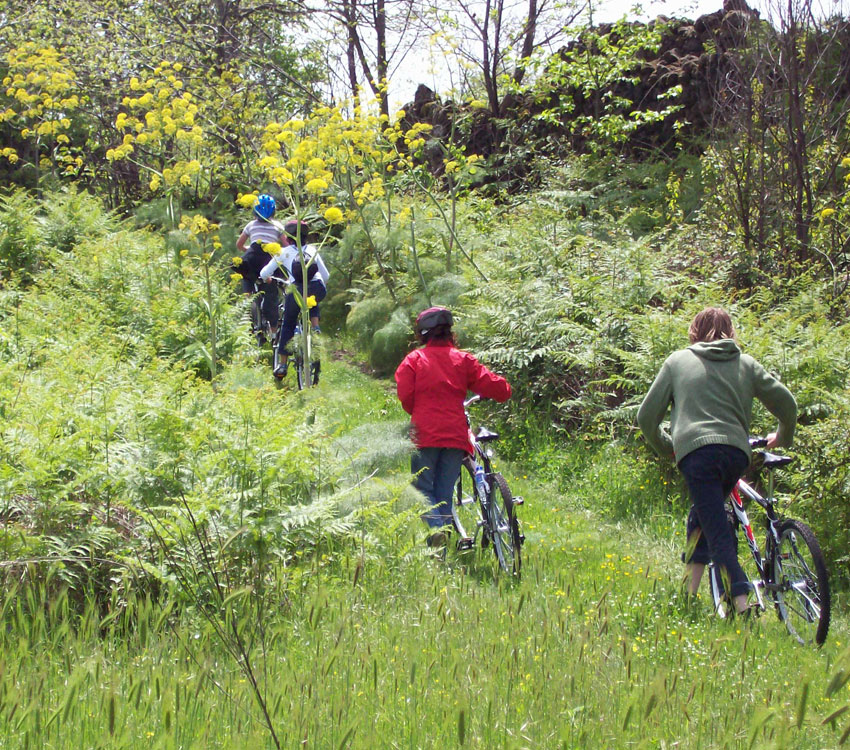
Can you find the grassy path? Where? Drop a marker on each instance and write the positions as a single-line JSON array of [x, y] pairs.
[[592, 648]]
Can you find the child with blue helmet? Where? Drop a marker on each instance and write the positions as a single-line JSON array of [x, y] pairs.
[[262, 230]]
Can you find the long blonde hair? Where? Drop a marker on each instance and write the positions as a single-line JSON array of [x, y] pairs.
[[711, 324]]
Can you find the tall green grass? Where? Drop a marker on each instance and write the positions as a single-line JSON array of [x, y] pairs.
[[592, 648]]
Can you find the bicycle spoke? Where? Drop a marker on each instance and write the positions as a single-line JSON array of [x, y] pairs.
[[802, 597], [503, 525]]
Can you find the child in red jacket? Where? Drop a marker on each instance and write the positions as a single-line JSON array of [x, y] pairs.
[[432, 383]]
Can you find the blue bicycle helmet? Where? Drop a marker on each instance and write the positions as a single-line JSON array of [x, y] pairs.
[[264, 206]]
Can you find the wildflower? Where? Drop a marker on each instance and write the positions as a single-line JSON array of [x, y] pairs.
[[247, 200], [272, 248], [311, 301], [316, 185], [236, 260], [826, 213], [333, 215]]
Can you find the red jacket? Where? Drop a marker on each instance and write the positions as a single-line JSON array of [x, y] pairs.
[[432, 383]]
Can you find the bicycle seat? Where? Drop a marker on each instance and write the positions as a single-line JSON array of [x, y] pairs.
[[770, 460], [485, 436]]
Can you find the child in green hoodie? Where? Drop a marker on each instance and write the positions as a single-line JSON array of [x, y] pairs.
[[710, 387]]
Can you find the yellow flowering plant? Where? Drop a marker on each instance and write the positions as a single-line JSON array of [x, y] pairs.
[[40, 94]]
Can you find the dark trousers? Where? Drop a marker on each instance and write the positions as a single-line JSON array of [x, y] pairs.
[[292, 312], [437, 470], [254, 260], [710, 473]]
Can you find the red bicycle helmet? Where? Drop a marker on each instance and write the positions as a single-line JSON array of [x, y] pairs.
[[431, 318]]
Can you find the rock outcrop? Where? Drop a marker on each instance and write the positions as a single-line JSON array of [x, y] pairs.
[[693, 54]]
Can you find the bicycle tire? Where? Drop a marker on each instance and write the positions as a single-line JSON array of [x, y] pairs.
[[466, 510], [299, 370], [803, 600], [258, 323], [503, 526]]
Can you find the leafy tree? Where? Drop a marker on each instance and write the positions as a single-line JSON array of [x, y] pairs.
[[497, 38], [778, 159], [585, 87]]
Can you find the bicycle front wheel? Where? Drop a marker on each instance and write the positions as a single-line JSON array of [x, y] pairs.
[[503, 525], [299, 370], [799, 571]]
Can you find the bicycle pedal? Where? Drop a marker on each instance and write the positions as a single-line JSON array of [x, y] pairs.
[[465, 543], [519, 500], [521, 539]]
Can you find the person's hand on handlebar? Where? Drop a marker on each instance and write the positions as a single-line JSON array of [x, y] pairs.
[[772, 442]]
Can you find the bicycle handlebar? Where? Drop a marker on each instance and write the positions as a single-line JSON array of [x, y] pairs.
[[471, 400]]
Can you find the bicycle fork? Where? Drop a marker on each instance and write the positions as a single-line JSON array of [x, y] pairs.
[[744, 521]]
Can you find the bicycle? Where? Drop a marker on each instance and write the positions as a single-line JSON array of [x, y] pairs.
[[315, 366], [307, 364], [793, 569], [484, 504], [261, 327]]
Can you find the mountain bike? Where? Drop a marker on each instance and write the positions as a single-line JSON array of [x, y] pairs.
[[305, 355], [484, 506], [793, 570], [311, 364], [261, 327]]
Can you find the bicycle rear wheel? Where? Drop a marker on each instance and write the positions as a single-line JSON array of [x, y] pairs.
[[803, 600], [503, 525], [466, 510], [258, 327]]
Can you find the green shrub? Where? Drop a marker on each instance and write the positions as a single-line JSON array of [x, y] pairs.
[[71, 217], [21, 249], [391, 343], [367, 316], [334, 309], [446, 289]]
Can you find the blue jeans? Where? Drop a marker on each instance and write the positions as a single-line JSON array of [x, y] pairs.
[[711, 472], [437, 470]]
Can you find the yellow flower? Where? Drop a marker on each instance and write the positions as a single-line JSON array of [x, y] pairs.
[[316, 185], [247, 200], [272, 248], [184, 252], [237, 260], [333, 215], [236, 276], [826, 213], [311, 301]]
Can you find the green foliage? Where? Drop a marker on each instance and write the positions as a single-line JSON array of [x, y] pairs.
[[391, 343], [367, 316], [72, 217], [21, 250], [120, 460], [587, 84]]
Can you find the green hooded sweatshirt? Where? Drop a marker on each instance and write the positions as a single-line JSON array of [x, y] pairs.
[[711, 386]]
